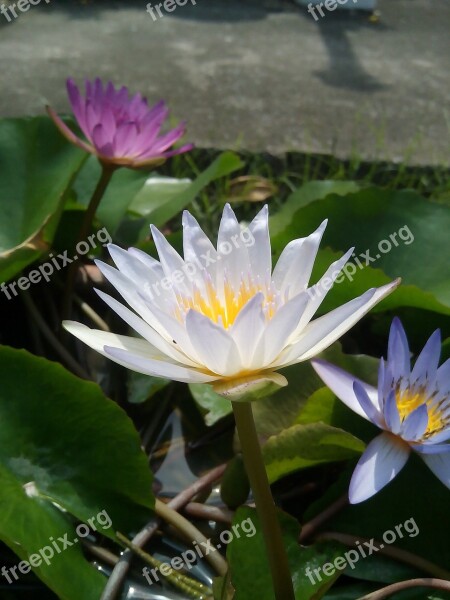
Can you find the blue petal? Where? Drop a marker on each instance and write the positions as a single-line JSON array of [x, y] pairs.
[[391, 413], [431, 448], [398, 351], [428, 360], [382, 380], [382, 460], [443, 376], [437, 438], [341, 384], [367, 405], [415, 424], [440, 465]]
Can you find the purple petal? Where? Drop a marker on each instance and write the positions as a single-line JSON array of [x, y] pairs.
[[124, 139], [440, 465], [68, 133], [137, 107], [415, 424], [167, 140], [157, 111], [147, 136], [398, 351], [108, 122], [101, 142], [99, 136], [428, 360], [382, 460], [110, 92], [341, 384], [181, 150], [98, 93], [367, 405], [391, 413], [88, 93], [120, 98], [92, 119], [77, 103]]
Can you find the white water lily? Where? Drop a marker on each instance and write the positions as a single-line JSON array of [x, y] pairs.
[[222, 314]]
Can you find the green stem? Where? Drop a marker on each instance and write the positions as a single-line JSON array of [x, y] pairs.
[[265, 506], [100, 189], [103, 182]]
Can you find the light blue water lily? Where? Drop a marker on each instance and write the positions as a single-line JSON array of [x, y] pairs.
[[411, 406]]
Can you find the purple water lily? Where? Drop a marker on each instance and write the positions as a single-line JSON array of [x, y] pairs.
[[411, 406], [120, 130]]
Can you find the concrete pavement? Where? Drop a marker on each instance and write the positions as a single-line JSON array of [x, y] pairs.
[[259, 75]]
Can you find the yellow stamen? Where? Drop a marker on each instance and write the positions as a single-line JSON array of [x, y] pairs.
[[226, 309], [408, 401]]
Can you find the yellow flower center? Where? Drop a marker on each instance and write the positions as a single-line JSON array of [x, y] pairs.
[[223, 309], [408, 401]]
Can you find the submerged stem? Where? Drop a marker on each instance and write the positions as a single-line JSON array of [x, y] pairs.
[[438, 584], [265, 505]]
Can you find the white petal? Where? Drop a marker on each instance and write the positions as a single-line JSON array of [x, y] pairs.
[[133, 265], [294, 267], [146, 278], [247, 329], [259, 249], [171, 261], [322, 332], [145, 258], [234, 261], [147, 332], [131, 294], [341, 384], [318, 291], [157, 368], [382, 460], [280, 328], [175, 329], [166, 325], [97, 340], [213, 345], [198, 249], [440, 465]]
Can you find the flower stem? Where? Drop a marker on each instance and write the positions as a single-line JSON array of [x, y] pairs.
[[265, 506], [103, 182], [100, 189]]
